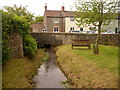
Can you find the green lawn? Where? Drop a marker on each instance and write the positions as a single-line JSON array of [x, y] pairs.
[[18, 73], [85, 69], [108, 56]]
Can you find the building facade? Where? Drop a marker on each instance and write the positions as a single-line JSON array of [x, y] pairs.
[[63, 21]]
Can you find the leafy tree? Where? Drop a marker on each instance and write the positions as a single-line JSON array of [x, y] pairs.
[[6, 32], [12, 23], [20, 11], [38, 19], [97, 13]]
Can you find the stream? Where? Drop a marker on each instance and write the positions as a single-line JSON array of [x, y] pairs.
[[49, 74]]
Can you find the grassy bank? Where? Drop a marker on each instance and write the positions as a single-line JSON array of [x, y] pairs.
[[86, 70], [18, 73]]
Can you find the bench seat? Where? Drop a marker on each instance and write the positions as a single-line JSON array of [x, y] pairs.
[[81, 43]]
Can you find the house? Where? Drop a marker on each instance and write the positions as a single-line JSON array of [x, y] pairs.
[[63, 21], [56, 21], [38, 27], [113, 26]]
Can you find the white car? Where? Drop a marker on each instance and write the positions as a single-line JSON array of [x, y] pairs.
[[108, 32]]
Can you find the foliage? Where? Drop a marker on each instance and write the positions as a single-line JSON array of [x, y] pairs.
[[38, 19], [5, 53], [29, 46], [20, 11], [94, 12], [97, 13], [92, 28], [19, 72], [6, 31], [13, 23]]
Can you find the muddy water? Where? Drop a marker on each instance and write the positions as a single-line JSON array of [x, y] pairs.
[[49, 74]]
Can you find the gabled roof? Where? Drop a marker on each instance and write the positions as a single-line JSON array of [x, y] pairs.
[[53, 13], [68, 13], [38, 26], [56, 13]]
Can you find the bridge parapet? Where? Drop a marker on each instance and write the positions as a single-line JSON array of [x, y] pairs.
[[55, 39]]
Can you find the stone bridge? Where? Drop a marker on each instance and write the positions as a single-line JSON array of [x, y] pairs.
[[56, 39]]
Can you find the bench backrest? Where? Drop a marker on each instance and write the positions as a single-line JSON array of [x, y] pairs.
[[80, 41]]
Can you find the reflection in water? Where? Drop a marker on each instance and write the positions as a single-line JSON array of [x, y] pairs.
[[49, 75]]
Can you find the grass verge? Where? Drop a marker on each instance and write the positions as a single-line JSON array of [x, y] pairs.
[[19, 72], [87, 70]]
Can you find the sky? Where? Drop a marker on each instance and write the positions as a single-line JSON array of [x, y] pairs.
[[37, 6]]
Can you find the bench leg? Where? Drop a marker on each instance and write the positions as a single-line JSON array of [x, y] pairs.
[[89, 47], [72, 46]]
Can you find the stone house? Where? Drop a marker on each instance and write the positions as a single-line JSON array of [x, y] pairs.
[[63, 21], [38, 27], [56, 21]]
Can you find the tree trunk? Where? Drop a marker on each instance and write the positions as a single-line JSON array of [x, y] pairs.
[[95, 46]]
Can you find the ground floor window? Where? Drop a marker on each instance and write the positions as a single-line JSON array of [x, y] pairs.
[[56, 29], [71, 28], [81, 29], [44, 30]]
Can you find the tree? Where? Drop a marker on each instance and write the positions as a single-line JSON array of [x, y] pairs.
[[20, 11], [12, 23], [97, 13], [38, 19]]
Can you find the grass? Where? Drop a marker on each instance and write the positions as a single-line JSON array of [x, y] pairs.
[[108, 57], [18, 73], [87, 70]]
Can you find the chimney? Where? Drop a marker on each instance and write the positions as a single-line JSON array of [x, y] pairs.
[[63, 8], [45, 6]]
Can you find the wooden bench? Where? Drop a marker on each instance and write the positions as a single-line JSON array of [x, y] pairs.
[[81, 43]]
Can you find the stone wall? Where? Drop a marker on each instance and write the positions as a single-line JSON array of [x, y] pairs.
[[16, 45], [56, 39], [51, 25]]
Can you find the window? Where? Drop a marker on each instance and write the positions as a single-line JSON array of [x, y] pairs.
[[44, 30], [71, 28], [81, 29], [116, 30], [55, 29], [56, 20], [72, 19]]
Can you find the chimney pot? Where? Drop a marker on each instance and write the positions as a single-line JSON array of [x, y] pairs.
[[63, 8], [45, 6]]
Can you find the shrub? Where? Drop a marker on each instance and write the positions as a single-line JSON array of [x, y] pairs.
[[5, 54], [29, 46], [11, 23]]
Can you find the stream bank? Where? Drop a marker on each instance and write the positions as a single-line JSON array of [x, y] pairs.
[[49, 74]]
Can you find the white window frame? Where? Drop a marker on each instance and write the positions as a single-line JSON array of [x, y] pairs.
[[55, 30], [56, 20]]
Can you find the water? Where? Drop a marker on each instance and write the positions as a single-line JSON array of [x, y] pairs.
[[49, 74]]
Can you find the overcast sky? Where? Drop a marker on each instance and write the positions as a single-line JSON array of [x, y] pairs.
[[37, 6]]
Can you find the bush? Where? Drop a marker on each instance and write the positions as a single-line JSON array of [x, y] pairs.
[[11, 23], [29, 46], [5, 54]]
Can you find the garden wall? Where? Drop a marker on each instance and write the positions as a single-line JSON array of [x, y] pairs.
[[56, 39]]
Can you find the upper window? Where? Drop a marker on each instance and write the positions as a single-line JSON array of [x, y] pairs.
[[56, 20], [72, 19], [56, 29]]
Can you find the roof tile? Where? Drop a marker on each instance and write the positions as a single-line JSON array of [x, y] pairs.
[[38, 26], [55, 13]]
